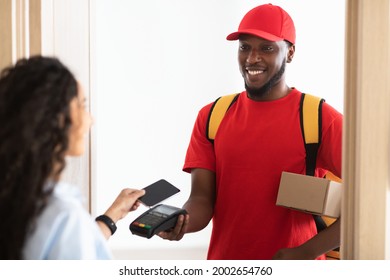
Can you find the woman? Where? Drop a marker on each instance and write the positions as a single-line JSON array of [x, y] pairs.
[[42, 120]]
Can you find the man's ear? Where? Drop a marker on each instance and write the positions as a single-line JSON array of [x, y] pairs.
[[290, 53]]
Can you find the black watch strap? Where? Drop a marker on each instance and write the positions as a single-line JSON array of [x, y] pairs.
[[108, 222]]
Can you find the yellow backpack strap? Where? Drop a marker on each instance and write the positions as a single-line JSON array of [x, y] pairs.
[[311, 123], [310, 111], [217, 112]]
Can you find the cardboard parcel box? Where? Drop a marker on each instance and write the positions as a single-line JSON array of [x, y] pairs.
[[310, 194]]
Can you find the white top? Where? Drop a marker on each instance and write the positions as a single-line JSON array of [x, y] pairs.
[[65, 230]]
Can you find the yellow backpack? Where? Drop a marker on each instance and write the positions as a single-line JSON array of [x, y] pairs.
[[310, 117]]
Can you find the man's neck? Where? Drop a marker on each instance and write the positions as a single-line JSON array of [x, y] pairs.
[[278, 91]]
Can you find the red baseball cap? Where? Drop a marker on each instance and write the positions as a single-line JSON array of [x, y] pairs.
[[266, 21]]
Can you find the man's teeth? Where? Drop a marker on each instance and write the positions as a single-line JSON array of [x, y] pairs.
[[255, 72]]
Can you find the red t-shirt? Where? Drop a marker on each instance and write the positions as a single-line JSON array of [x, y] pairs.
[[255, 142]]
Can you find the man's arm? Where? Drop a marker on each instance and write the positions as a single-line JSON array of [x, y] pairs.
[[325, 241], [200, 205]]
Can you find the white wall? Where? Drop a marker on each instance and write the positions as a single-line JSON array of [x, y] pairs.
[[156, 64]]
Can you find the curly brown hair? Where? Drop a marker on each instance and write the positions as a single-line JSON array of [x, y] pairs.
[[35, 96]]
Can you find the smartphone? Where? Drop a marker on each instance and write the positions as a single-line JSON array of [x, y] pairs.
[[157, 192]]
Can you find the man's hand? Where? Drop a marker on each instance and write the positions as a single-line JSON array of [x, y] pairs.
[[178, 231]]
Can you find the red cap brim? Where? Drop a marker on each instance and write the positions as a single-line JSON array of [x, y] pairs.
[[235, 35]]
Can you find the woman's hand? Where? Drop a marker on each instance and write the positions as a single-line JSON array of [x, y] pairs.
[[126, 201]]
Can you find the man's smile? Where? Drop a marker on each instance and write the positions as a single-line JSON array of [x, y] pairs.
[[253, 71]]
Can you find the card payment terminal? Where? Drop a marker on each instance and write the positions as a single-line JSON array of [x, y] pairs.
[[159, 218]]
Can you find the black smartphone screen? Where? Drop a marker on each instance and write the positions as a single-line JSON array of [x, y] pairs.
[[157, 192]]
